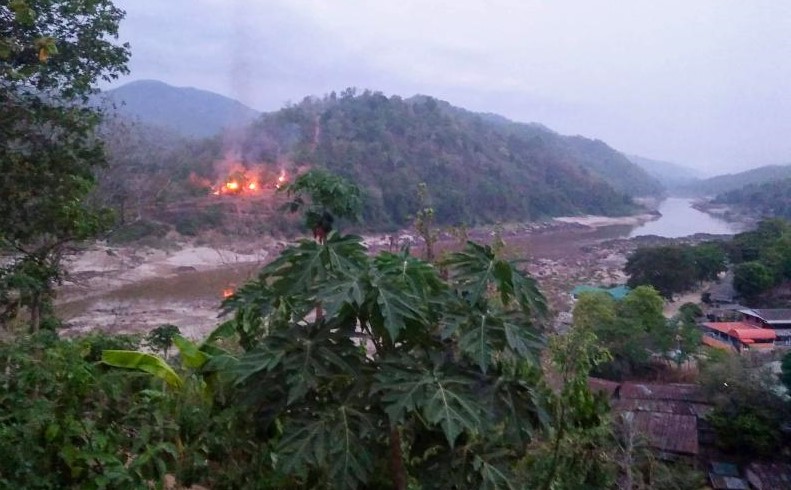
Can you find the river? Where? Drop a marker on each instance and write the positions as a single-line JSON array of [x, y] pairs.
[[191, 299], [680, 219]]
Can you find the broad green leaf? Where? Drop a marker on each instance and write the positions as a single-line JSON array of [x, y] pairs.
[[141, 361], [445, 401], [331, 441], [190, 355]]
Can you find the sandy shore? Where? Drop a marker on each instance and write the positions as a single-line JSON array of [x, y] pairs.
[[598, 221]]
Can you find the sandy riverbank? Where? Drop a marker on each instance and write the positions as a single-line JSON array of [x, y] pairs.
[[599, 221]]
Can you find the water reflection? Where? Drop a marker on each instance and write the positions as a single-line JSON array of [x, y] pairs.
[[680, 219]]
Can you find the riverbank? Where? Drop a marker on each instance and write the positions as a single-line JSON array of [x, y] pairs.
[[133, 289]]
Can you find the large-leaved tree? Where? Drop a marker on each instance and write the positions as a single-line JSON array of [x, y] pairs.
[[51, 54]]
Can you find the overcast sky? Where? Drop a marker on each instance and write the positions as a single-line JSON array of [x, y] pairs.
[[704, 83]]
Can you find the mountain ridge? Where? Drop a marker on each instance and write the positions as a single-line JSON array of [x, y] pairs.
[[188, 111]]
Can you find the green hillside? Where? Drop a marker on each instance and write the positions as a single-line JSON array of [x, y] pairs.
[[187, 111], [671, 175], [479, 168], [770, 199], [729, 182]]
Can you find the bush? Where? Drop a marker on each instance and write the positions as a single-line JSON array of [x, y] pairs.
[[67, 421]]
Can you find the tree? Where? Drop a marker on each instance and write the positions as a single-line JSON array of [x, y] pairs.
[[748, 413], [161, 338], [750, 279], [323, 197], [51, 53], [631, 330], [669, 269], [404, 376], [785, 371], [709, 260]]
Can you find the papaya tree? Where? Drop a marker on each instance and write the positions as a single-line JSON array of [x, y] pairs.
[[406, 378], [323, 197]]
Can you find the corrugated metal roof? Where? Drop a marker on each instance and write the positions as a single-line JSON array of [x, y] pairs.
[[617, 292], [719, 482], [662, 406], [770, 315], [669, 432], [742, 331], [769, 476], [671, 391]]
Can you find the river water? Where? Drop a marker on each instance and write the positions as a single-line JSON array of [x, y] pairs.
[[680, 219], [191, 299]]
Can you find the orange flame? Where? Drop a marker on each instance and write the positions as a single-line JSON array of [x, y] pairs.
[[281, 179], [232, 185], [252, 185], [227, 292]]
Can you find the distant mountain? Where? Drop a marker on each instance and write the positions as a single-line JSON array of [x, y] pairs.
[[188, 111], [670, 174], [767, 200], [724, 183], [478, 168]]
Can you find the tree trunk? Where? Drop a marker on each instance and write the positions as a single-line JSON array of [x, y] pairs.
[[397, 460], [35, 312]]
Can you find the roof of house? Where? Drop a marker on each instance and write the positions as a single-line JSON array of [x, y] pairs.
[[719, 344], [773, 315], [769, 476], [617, 292], [742, 331], [662, 406], [683, 392], [669, 432]]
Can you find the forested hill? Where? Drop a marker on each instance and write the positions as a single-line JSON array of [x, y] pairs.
[[478, 168], [729, 182], [770, 199], [671, 175], [184, 110]]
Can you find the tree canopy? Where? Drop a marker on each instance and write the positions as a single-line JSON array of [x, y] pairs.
[[675, 269], [51, 54]]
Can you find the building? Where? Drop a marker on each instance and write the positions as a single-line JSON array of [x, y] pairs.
[[778, 319], [617, 292], [738, 336], [665, 414]]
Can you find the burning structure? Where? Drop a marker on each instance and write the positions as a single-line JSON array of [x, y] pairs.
[[239, 178], [249, 182]]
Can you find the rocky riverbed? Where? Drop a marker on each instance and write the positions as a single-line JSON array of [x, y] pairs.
[[133, 289]]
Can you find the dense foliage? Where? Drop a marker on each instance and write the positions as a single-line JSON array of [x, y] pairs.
[[732, 182], [479, 169], [399, 373], [675, 269], [634, 329], [748, 413], [761, 258], [767, 200], [51, 53]]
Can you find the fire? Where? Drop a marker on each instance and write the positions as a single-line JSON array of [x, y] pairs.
[[281, 179], [243, 181], [227, 292]]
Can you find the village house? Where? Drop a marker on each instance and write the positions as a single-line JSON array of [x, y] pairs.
[[778, 319], [737, 336]]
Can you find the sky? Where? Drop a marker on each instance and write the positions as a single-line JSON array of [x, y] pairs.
[[703, 83]]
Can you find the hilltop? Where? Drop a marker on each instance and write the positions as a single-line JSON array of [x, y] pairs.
[[478, 167], [184, 110], [730, 182], [670, 174]]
